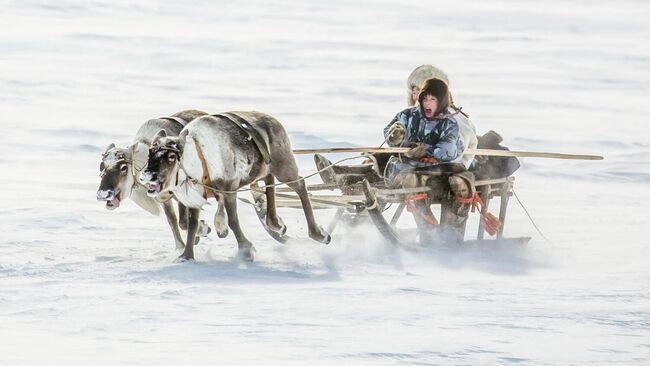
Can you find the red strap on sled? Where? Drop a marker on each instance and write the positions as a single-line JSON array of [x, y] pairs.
[[410, 206], [490, 222], [428, 160], [415, 197]]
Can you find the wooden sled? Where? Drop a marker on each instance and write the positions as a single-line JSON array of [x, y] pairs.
[[358, 196]]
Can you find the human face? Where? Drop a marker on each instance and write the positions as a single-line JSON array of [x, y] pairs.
[[429, 106], [415, 93]]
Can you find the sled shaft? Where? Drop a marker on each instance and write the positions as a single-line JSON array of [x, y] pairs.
[[482, 152]]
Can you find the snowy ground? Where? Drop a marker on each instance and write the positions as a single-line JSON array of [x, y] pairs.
[[83, 286]]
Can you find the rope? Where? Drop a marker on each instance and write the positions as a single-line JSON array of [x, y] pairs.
[[271, 185], [412, 208], [386, 182], [530, 217]]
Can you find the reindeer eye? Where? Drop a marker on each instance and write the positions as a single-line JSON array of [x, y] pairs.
[[171, 157], [124, 168]]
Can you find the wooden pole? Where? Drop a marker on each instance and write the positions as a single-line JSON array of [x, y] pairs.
[[503, 207], [482, 152], [485, 196]]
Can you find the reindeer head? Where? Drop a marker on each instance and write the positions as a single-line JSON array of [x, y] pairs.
[[116, 171], [163, 163]]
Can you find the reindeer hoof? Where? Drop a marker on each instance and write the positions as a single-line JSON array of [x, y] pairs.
[[281, 230], [184, 258], [278, 227], [204, 229], [222, 233], [220, 225], [246, 254], [322, 237]]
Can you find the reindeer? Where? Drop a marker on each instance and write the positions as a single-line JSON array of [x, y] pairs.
[[215, 156], [121, 166]]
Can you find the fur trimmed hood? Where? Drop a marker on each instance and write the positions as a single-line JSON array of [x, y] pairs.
[[419, 75]]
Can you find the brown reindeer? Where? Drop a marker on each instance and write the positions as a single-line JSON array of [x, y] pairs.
[[215, 155], [120, 168]]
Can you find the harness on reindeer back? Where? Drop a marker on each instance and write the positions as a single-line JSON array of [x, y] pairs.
[[181, 121], [251, 132], [252, 135]]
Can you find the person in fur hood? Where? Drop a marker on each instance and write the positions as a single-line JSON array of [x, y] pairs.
[[417, 77], [427, 128], [433, 130], [467, 129]]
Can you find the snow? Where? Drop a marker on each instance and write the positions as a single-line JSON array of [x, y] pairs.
[[81, 285]]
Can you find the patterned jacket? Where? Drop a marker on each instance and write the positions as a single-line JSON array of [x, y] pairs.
[[441, 136]]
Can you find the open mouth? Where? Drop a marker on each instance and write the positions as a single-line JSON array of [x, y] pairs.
[[113, 203], [428, 111], [153, 188]]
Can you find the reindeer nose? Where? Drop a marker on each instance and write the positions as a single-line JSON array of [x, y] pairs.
[[105, 194], [147, 176]]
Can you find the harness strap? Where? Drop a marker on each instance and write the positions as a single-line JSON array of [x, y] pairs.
[[474, 200], [410, 206], [205, 179], [428, 160], [176, 119], [416, 197], [250, 131]]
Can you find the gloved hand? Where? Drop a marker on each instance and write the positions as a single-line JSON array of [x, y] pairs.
[[417, 152], [396, 134]]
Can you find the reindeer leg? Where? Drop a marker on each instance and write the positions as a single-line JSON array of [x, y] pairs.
[[192, 227], [273, 222], [220, 223], [203, 229], [315, 232], [245, 247], [288, 172], [182, 215], [170, 214]]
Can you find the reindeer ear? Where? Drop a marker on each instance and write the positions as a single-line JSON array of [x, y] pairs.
[[160, 134], [101, 166], [182, 139], [109, 147]]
